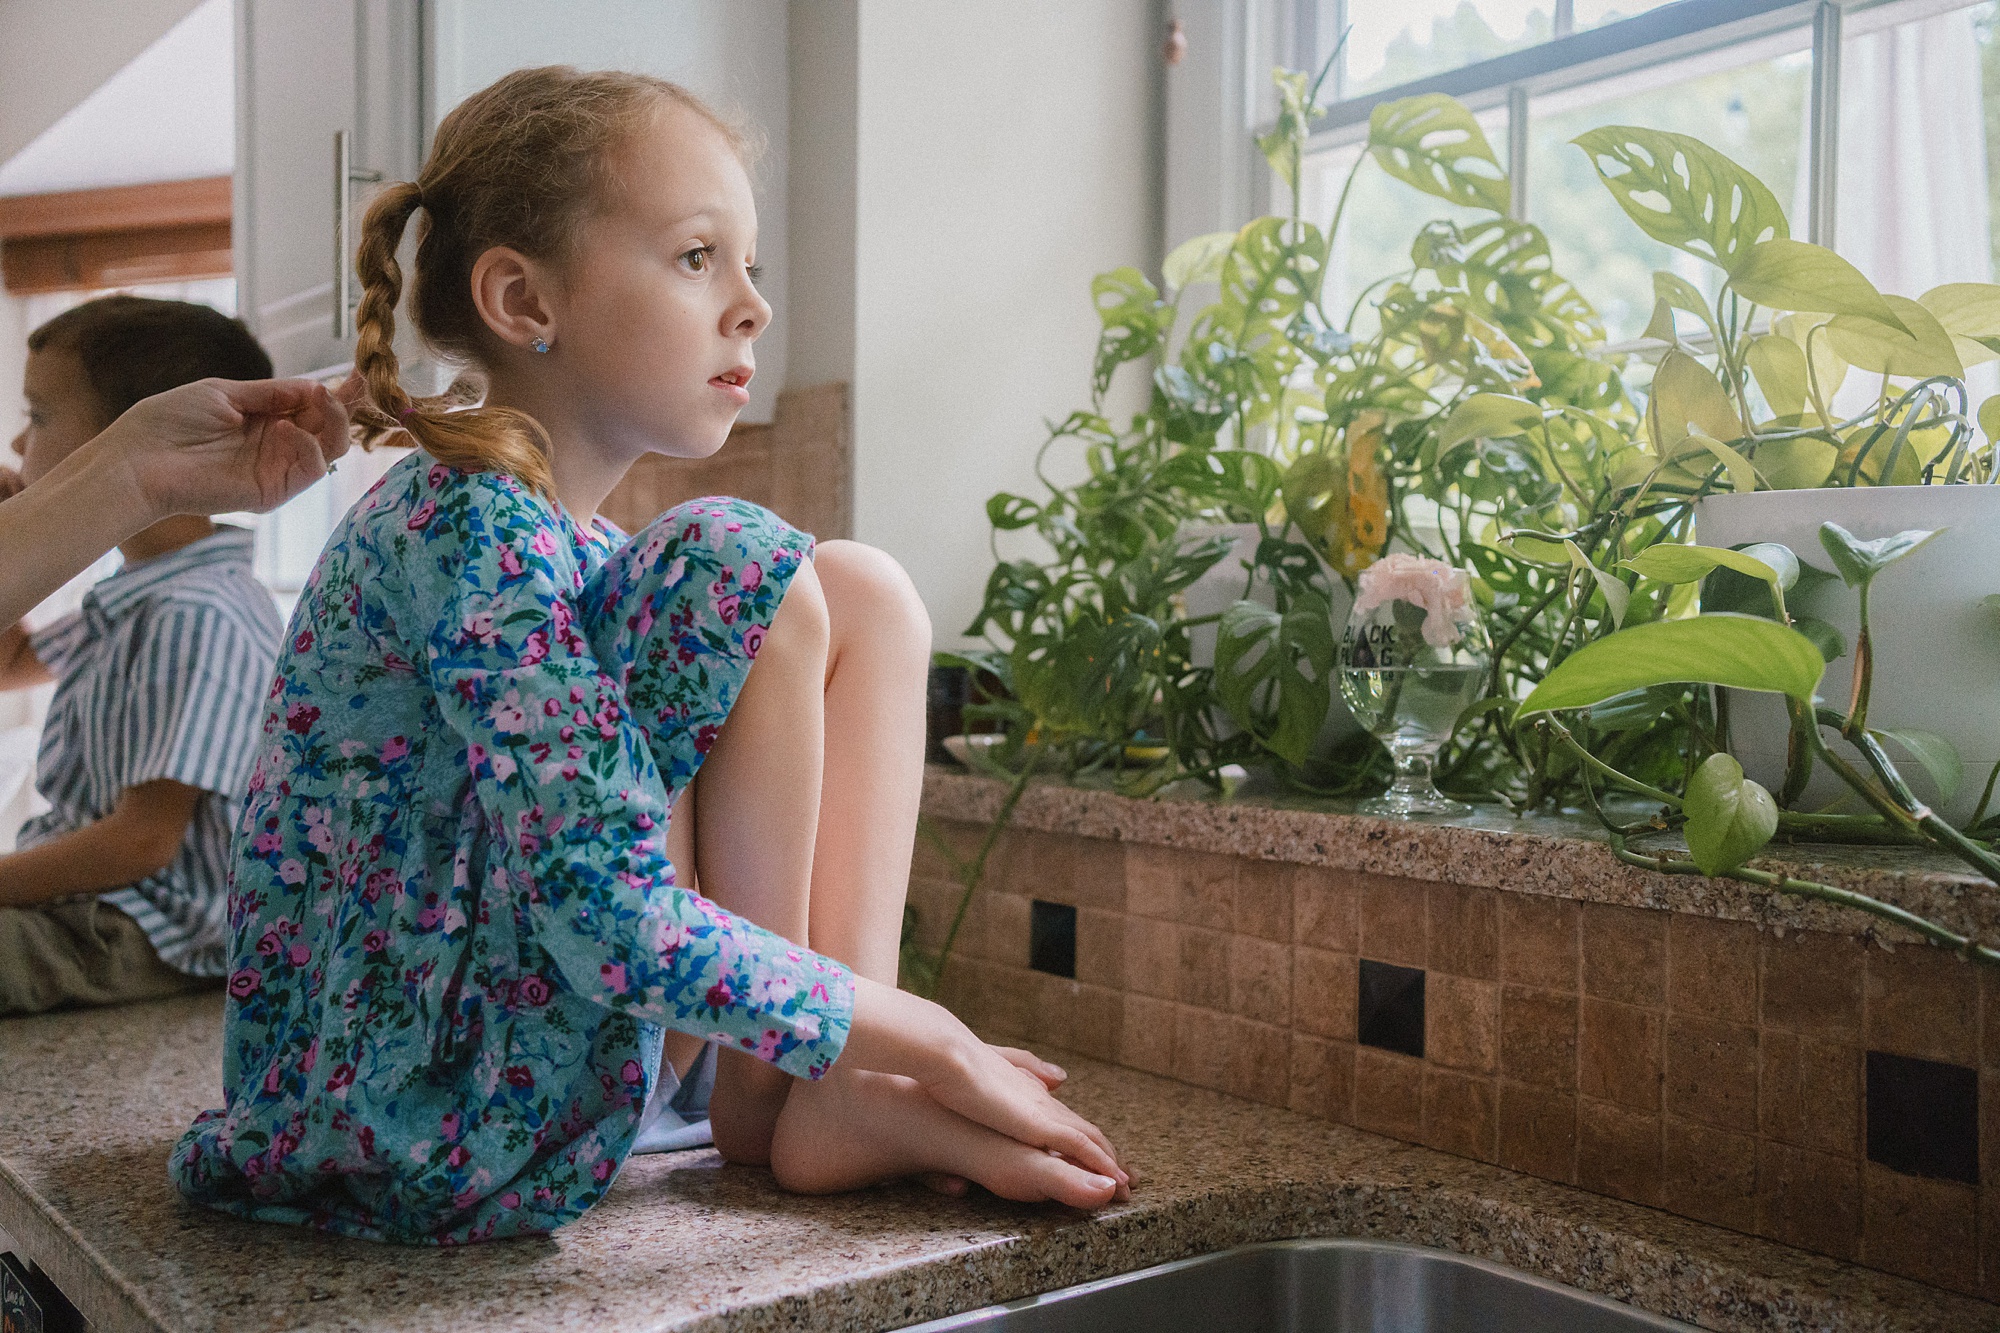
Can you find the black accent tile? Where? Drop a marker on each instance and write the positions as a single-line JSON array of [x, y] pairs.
[[1391, 1007], [1052, 938], [1923, 1117]]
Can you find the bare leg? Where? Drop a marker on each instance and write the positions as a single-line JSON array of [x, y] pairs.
[[878, 656], [834, 708]]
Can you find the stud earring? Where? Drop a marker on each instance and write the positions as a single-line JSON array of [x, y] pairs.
[[539, 344]]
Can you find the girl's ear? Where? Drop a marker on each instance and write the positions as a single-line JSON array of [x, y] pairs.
[[509, 290]]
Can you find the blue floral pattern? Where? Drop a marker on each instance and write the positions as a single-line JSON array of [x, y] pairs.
[[452, 913]]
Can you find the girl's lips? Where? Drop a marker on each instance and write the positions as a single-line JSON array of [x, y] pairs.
[[735, 383]]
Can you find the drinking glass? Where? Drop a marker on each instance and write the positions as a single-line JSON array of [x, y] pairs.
[[1406, 687]]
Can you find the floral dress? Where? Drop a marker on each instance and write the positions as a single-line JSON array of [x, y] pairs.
[[455, 932]]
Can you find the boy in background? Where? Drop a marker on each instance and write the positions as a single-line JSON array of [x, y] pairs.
[[120, 891]]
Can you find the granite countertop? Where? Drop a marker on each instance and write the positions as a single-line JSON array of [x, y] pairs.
[[1562, 856], [90, 1102]]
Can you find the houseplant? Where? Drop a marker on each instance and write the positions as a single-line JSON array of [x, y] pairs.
[[1465, 410]]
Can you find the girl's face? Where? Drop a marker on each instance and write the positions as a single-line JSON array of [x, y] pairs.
[[657, 311]]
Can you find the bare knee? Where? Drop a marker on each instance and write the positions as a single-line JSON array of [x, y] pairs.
[[868, 593]]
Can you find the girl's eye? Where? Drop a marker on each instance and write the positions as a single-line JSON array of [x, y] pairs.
[[697, 258], [756, 272]]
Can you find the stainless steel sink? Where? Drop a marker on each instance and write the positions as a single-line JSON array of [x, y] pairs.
[[1316, 1286]]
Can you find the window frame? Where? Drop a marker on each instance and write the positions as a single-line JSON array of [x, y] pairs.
[[1672, 33]]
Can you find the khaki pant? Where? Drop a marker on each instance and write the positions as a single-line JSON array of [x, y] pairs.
[[80, 952]]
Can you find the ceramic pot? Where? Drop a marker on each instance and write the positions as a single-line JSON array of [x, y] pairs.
[[1937, 645]]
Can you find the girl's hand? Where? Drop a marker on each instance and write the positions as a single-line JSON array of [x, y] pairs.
[[1049, 1075], [10, 483], [1006, 1090], [216, 446]]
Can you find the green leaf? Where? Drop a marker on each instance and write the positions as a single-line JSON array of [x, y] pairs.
[[1240, 477], [1488, 416], [1729, 817], [1687, 398], [1197, 260], [1435, 144], [1797, 275], [1660, 327], [1832, 644], [1799, 464], [1938, 756], [1779, 367], [1670, 562], [1742, 477], [1285, 144], [1680, 294], [1809, 333], [1616, 595], [1858, 562], [1744, 652], [1969, 312], [1684, 193], [1632, 710], [1989, 417], [1134, 319], [1920, 347], [1008, 512], [1273, 673]]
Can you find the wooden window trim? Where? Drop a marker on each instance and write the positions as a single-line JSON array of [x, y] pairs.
[[78, 240]]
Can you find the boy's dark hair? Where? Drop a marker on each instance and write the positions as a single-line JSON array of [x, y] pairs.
[[133, 347]]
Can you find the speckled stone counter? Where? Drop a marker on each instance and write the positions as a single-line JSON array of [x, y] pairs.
[[91, 1102], [1556, 856]]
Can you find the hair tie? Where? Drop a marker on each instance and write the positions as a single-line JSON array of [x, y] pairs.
[[407, 413]]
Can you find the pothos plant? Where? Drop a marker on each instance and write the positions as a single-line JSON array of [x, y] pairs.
[[1466, 409]]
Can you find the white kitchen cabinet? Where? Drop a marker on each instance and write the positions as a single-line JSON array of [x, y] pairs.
[[307, 69]]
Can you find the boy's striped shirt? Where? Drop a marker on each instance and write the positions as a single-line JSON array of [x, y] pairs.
[[162, 674]]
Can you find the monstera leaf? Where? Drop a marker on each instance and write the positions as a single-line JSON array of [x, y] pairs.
[[1273, 672], [1684, 193], [1433, 143], [1134, 320]]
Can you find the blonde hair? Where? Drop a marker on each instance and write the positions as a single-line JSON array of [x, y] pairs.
[[522, 164]]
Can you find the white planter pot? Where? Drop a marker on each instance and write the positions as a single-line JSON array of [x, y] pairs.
[[1937, 647]]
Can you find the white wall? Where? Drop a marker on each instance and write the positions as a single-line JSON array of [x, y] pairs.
[[54, 53], [1005, 156], [731, 53]]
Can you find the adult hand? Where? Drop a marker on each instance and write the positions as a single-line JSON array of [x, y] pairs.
[[216, 446]]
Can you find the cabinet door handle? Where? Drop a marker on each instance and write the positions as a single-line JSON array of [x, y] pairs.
[[344, 176]]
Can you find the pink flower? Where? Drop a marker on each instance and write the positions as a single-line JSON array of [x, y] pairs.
[[753, 576], [422, 515], [298, 955], [544, 543], [304, 642], [394, 748], [510, 563], [631, 1072], [1443, 592], [533, 990], [614, 977], [245, 981], [266, 843], [436, 476], [753, 639], [375, 941], [602, 1170], [726, 607], [271, 1081], [291, 872], [720, 996], [519, 1076], [511, 1199]]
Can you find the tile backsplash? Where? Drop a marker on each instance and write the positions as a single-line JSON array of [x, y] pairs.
[[1800, 1085]]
